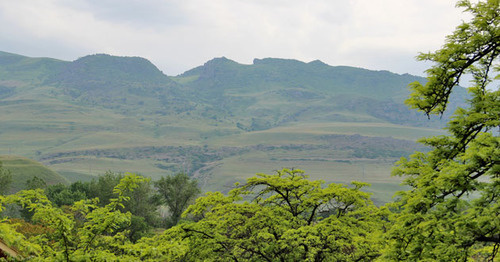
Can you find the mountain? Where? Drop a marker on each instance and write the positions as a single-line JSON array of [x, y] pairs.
[[275, 91], [15, 67], [219, 122]]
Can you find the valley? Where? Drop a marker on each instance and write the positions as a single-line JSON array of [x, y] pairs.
[[220, 123]]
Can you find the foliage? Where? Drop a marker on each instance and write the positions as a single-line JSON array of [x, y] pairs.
[[62, 195], [5, 179], [84, 232], [177, 192], [452, 211], [288, 219], [35, 183], [102, 187], [142, 203]]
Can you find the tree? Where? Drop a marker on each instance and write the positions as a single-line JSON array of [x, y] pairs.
[[177, 192], [102, 187], [452, 210], [62, 195], [82, 232], [288, 218], [5, 179], [142, 203], [35, 183]]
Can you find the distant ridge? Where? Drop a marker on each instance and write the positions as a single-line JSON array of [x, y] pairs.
[[218, 122]]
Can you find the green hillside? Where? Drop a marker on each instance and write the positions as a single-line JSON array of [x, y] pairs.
[[120, 83], [220, 122], [23, 169], [271, 92]]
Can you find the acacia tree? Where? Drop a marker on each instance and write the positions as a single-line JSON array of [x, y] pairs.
[[452, 210], [286, 218]]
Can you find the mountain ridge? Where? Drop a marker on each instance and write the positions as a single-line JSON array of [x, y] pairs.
[[220, 122]]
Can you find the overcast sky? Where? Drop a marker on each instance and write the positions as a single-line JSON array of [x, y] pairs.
[[177, 35]]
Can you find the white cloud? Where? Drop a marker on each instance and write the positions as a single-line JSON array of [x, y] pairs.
[[177, 35]]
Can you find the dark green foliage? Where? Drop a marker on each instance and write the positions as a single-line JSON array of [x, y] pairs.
[[35, 183], [176, 192], [102, 187], [141, 204], [62, 195]]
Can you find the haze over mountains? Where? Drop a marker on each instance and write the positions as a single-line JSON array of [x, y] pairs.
[[219, 122]]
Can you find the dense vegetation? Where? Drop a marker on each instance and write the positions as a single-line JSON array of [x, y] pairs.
[[449, 213]]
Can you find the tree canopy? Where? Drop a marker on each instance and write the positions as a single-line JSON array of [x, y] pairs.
[[452, 210], [82, 232], [280, 217], [177, 192]]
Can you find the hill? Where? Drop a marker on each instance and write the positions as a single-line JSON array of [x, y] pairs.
[[23, 169], [220, 122], [126, 83], [272, 91]]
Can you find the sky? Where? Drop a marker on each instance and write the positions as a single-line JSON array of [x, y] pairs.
[[178, 35]]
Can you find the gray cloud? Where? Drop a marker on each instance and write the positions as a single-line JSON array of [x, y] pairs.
[[134, 13], [177, 35]]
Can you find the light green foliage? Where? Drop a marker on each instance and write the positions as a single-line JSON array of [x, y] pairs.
[[472, 48], [288, 219], [5, 179], [452, 211], [12, 238], [177, 192], [169, 246], [84, 232]]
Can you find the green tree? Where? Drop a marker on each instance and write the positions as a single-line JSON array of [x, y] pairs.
[[143, 206], [142, 202], [62, 195], [82, 232], [102, 186], [177, 192], [288, 218], [31, 184], [35, 183], [5, 180], [452, 210]]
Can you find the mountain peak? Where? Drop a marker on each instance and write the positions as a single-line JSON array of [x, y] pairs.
[[126, 64], [317, 63], [103, 73], [219, 61], [277, 61]]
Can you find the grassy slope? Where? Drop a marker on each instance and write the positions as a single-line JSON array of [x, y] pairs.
[[23, 169], [39, 120]]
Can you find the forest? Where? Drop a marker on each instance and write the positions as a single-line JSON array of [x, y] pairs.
[[449, 210]]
